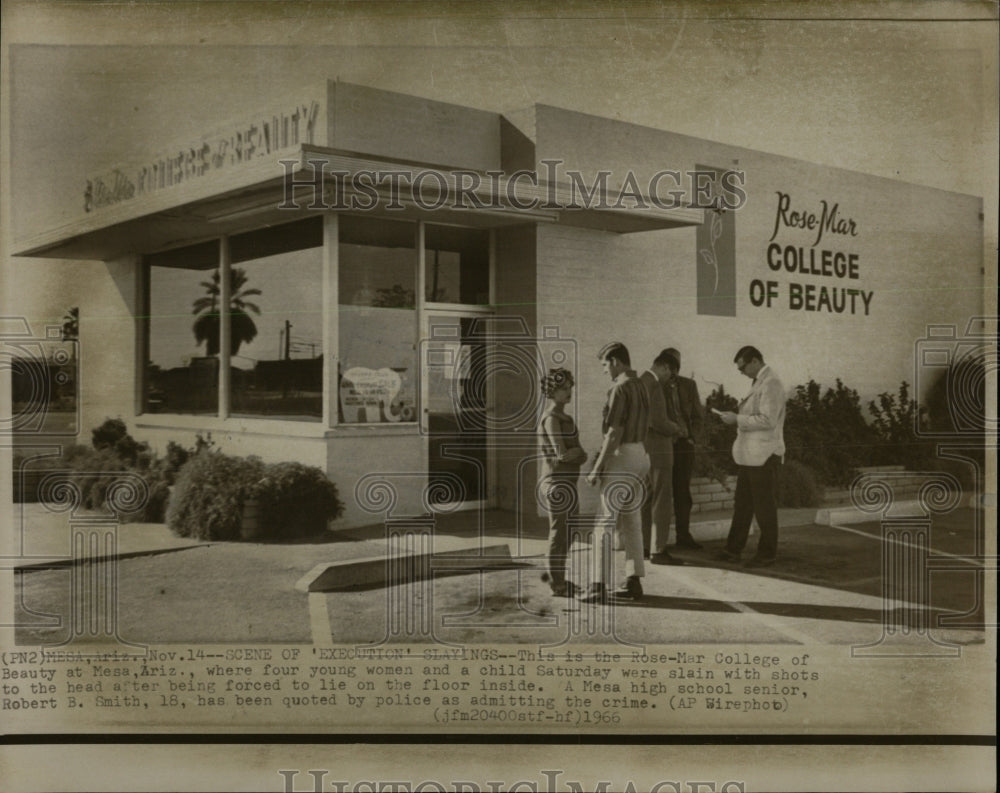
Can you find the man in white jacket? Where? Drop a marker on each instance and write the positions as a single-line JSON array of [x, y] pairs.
[[759, 450]]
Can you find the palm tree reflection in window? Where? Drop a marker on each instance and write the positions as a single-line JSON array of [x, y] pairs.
[[243, 330]]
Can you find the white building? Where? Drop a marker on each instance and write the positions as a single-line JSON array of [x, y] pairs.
[[432, 257]]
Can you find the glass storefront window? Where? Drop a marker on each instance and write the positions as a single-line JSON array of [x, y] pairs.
[[457, 265], [276, 325], [276, 322], [377, 378], [276, 318], [182, 373]]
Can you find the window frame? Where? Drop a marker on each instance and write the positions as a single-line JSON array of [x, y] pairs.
[[328, 424]]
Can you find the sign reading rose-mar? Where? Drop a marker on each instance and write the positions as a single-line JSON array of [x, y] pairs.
[[837, 289], [367, 394]]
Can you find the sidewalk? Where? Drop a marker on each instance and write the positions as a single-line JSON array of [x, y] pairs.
[[828, 585], [42, 538]]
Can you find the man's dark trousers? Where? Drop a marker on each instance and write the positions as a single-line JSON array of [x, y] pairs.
[[756, 495], [656, 509], [683, 466]]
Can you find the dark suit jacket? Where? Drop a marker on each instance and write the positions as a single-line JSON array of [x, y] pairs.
[[662, 431], [691, 408]]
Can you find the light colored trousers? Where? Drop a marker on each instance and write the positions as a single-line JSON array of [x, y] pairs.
[[622, 491]]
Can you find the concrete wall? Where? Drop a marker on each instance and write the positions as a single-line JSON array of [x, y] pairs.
[[398, 457], [109, 305], [347, 455], [402, 127], [919, 253], [271, 445], [597, 287]]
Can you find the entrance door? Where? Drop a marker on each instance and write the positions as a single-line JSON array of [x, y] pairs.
[[456, 404]]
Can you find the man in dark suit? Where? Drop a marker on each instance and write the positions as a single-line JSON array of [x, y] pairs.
[[657, 507], [685, 409]]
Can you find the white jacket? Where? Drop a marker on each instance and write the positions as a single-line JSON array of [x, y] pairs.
[[761, 421]]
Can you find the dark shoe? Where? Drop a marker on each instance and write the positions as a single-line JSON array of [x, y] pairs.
[[565, 589], [632, 588], [595, 593], [760, 561], [689, 543], [663, 557], [726, 555]]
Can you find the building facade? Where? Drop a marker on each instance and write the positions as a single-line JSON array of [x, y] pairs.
[[371, 282]]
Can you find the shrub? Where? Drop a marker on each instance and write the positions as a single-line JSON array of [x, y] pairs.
[[158, 473], [208, 498], [116, 452], [798, 486], [827, 431], [296, 501], [94, 469], [94, 473], [714, 452], [108, 434], [956, 405], [113, 435], [956, 402], [73, 456], [897, 418], [29, 471], [90, 471], [65, 460], [158, 478], [177, 455]]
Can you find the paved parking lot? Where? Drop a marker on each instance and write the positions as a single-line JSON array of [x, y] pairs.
[[827, 587]]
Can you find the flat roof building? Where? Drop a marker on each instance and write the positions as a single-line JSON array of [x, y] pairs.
[[398, 271]]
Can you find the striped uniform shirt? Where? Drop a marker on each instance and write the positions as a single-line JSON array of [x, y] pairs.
[[627, 407]]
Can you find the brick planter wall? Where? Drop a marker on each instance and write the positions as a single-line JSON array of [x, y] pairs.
[[712, 496], [904, 488], [709, 495]]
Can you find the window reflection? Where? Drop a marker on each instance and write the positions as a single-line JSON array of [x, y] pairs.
[[277, 372], [457, 265], [275, 315], [377, 379], [183, 365]]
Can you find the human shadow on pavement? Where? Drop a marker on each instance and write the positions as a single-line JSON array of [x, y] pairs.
[[816, 611]]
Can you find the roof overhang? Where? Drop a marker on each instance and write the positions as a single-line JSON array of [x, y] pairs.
[[312, 179]]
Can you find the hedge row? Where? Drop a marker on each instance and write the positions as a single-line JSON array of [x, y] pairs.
[[828, 435], [198, 491], [92, 470]]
